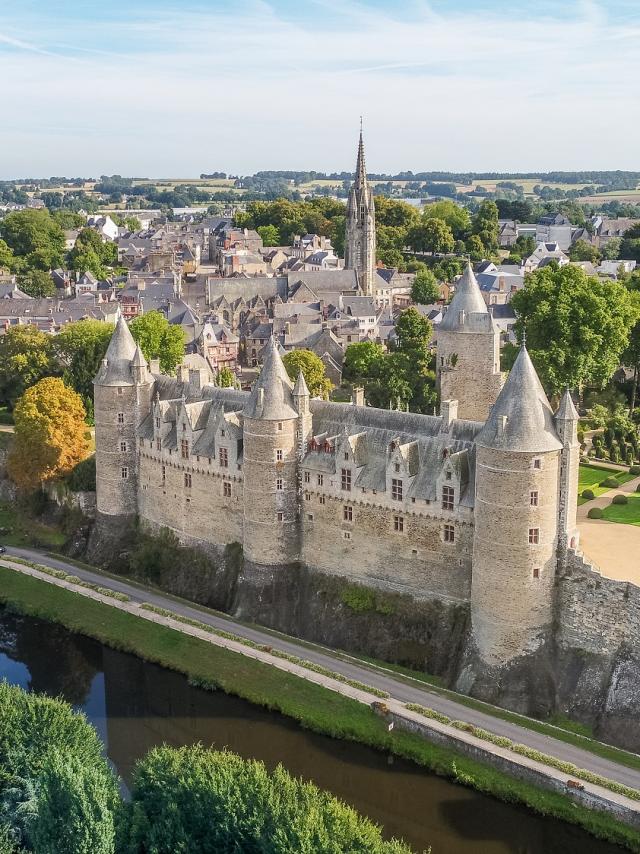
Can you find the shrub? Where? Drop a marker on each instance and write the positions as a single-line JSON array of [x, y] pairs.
[[635, 469], [219, 802], [609, 482], [595, 513], [83, 476], [620, 499], [588, 494]]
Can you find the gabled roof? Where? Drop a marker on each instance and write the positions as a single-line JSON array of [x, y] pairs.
[[271, 397], [521, 420]]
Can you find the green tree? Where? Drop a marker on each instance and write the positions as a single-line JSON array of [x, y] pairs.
[[36, 283], [159, 339], [630, 245], [395, 213], [433, 235], [50, 434], [79, 349], [583, 251], [456, 217], [34, 237], [485, 225], [475, 247], [132, 223], [269, 234], [91, 253], [25, 357], [68, 220], [225, 378], [425, 289], [313, 370], [360, 361], [75, 808], [338, 227], [196, 800], [7, 259], [611, 249], [577, 326]]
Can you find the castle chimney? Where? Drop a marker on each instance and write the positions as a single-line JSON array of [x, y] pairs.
[[448, 413], [154, 366], [357, 396]]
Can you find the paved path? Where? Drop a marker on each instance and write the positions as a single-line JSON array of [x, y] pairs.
[[411, 691]]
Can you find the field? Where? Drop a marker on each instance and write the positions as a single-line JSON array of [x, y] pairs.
[[626, 514], [590, 476]]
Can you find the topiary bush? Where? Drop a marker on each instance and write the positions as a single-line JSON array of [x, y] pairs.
[[595, 513], [620, 499], [588, 494], [609, 482], [635, 469]]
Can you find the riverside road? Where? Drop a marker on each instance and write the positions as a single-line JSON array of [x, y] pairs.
[[411, 691]]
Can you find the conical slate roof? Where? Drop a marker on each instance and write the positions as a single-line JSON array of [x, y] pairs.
[[467, 302], [118, 358], [567, 410], [521, 418], [139, 360], [301, 389], [271, 397]]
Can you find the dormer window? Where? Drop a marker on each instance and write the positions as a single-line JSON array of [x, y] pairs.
[[223, 433], [447, 475], [447, 498], [346, 455], [184, 427], [397, 467]]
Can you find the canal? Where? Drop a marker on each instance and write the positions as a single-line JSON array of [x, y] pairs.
[[135, 705]]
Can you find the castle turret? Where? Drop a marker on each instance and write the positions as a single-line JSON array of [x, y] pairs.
[[567, 428], [301, 400], [122, 399], [271, 423], [516, 520], [468, 352], [360, 245]]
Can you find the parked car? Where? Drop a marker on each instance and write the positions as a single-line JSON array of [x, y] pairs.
[[3, 551]]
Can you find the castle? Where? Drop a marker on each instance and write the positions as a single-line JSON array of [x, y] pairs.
[[475, 505]]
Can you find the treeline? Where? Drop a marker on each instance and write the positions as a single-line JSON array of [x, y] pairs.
[[581, 177], [58, 794]]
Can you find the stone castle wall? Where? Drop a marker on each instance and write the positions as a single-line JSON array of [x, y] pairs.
[[370, 551], [475, 379]]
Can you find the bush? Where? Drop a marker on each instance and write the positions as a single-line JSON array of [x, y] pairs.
[[610, 482], [83, 476], [635, 469], [620, 499], [198, 800], [595, 513], [588, 494], [56, 791]]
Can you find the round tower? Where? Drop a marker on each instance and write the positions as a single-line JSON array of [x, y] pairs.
[[122, 399], [468, 352], [516, 520], [270, 466]]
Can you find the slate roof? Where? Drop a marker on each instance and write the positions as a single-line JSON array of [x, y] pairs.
[[467, 311], [521, 420], [271, 397], [116, 366]]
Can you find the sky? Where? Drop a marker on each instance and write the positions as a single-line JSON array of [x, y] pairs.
[[161, 88]]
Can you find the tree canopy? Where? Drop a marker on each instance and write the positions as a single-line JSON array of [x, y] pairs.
[[313, 371], [25, 357], [35, 238], [79, 349], [198, 800], [425, 288], [432, 235], [454, 215], [93, 254], [50, 434], [576, 326], [630, 244], [36, 283], [159, 339]]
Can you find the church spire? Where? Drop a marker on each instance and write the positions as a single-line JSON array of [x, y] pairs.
[[360, 245]]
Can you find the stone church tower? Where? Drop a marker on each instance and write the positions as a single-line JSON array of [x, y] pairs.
[[123, 390], [360, 246], [468, 352]]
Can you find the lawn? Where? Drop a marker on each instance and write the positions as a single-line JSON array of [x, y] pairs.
[[626, 514], [25, 531], [590, 476]]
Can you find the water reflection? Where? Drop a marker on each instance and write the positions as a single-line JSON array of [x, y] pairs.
[[135, 706]]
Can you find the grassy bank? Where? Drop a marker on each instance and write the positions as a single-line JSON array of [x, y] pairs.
[[311, 705], [558, 727], [22, 529]]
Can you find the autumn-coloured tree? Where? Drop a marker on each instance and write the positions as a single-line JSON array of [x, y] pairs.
[[50, 434]]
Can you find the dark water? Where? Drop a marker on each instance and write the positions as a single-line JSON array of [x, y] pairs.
[[135, 706]]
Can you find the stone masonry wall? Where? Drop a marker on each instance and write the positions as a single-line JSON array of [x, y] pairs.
[[370, 551], [475, 379]]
